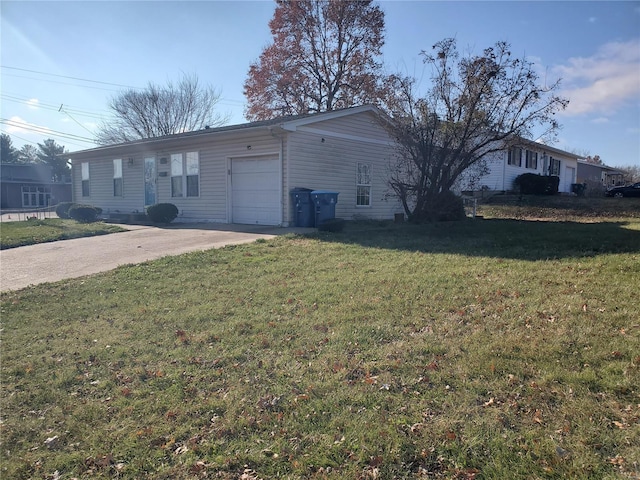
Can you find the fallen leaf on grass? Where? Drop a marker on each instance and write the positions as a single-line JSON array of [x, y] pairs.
[[537, 417], [617, 460]]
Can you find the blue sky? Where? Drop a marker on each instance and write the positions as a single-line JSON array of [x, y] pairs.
[[63, 61]]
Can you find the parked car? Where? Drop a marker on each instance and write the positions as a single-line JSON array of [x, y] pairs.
[[626, 191]]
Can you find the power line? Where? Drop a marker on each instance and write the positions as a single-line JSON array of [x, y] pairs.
[[66, 83], [48, 106], [45, 131], [228, 101], [71, 78], [35, 143], [69, 115]]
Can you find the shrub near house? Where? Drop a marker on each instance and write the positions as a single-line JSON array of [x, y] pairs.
[[162, 212], [534, 184], [84, 213]]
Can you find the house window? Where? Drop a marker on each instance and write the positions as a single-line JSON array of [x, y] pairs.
[[363, 185], [36, 196], [185, 174], [117, 177], [515, 156], [554, 166], [532, 160], [176, 175], [85, 179], [193, 174]]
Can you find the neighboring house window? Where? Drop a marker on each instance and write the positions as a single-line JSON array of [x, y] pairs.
[[36, 196], [363, 185], [85, 179], [554, 166], [532, 160], [515, 156], [181, 183], [117, 177]]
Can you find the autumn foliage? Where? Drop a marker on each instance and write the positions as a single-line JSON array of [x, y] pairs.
[[323, 58]]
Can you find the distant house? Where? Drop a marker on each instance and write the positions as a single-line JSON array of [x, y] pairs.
[[529, 157], [245, 173], [26, 186], [599, 175]]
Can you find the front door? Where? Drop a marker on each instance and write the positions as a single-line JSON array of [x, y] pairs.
[[150, 179]]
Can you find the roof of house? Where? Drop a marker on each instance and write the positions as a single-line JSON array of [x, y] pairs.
[[286, 123], [601, 166], [25, 172]]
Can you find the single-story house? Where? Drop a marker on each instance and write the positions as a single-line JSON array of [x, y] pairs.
[[245, 173], [504, 166], [31, 186], [599, 175]]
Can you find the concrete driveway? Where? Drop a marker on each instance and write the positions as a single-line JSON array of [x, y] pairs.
[[50, 262]]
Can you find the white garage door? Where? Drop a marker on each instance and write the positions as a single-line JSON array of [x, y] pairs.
[[255, 191]]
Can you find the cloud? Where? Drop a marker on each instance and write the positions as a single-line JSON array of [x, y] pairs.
[[600, 120], [33, 103], [603, 82]]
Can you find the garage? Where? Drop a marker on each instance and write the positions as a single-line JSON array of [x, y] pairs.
[[255, 191]]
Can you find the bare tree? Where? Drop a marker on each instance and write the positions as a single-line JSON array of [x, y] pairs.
[[323, 57], [158, 111], [631, 173], [477, 105]]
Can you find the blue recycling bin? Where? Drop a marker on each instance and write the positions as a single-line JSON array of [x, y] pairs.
[[325, 205], [303, 207]]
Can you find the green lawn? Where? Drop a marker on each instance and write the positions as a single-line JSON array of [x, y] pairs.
[[490, 348], [29, 232]]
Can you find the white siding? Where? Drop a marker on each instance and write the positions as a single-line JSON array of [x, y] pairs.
[[501, 175], [101, 184], [331, 165], [214, 151]]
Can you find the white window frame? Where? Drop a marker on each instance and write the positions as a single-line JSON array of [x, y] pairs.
[[118, 184], [86, 179], [191, 171], [554, 162], [363, 184], [184, 167], [34, 196], [514, 156], [531, 160]]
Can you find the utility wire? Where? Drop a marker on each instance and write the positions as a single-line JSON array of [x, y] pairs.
[[67, 83], [69, 115], [227, 101], [45, 131], [71, 78], [35, 143], [48, 106]]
